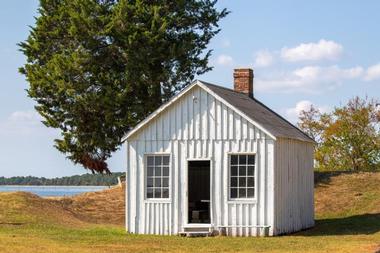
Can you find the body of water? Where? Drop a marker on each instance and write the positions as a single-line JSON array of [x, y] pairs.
[[51, 191]]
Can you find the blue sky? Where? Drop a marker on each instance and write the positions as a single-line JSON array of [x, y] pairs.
[[302, 52]]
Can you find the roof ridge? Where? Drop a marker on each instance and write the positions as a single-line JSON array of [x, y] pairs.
[[218, 86]]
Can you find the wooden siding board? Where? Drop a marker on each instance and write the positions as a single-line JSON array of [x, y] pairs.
[[218, 172], [132, 190], [204, 115], [127, 190], [231, 125], [140, 210]]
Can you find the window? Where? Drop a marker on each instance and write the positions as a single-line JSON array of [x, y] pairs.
[[157, 180], [242, 176]]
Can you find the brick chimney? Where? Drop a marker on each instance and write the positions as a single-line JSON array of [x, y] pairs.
[[243, 81]]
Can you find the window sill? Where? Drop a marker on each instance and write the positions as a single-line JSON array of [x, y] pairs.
[[163, 201], [242, 201]]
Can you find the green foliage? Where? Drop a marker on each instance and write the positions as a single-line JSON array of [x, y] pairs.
[[98, 67], [85, 179], [347, 138]]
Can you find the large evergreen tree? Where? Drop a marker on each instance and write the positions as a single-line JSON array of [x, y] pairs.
[[97, 67]]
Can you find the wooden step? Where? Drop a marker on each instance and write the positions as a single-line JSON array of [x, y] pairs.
[[197, 229], [195, 233]]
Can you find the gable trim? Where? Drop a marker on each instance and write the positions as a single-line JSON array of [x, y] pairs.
[[236, 110], [159, 110]]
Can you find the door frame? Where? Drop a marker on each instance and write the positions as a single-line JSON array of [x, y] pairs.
[[186, 199]]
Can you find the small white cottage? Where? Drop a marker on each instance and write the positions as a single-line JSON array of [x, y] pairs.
[[214, 159]]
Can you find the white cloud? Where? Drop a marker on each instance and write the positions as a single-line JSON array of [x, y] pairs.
[[293, 113], [372, 73], [25, 116], [23, 123], [263, 58], [312, 79], [224, 60], [322, 50]]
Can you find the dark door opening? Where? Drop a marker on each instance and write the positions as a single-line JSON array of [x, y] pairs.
[[199, 191]]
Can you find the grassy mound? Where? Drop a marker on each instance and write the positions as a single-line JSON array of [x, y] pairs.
[[103, 207], [22, 208], [347, 194]]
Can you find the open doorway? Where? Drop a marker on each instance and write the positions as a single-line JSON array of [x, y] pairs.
[[199, 191]]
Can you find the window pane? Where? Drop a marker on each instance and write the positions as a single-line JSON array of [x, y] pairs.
[[250, 192], [242, 159], [149, 182], [242, 171], [234, 159], [242, 181], [157, 182], [165, 182], [149, 193], [158, 160], [251, 159], [150, 171], [234, 170], [165, 160], [251, 170], [250, 181], [165, 193], [165, 171], [233, 181], [233, 193], [157, 192], [242, 192], [150, 160], [157, 171]]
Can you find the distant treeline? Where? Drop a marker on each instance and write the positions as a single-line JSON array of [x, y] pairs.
[[86, 179]]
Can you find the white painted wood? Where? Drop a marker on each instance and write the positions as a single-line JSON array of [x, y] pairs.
[[127, 190], [197, 125], [294, 186]]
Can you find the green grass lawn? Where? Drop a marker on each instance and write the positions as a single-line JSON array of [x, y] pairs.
[[40, 238], [348, 220]]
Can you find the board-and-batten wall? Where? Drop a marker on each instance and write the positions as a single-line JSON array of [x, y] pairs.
[[198, 126], [294, 185]]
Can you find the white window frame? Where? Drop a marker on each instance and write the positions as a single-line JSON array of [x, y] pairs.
[[253, 199], [146, 155]]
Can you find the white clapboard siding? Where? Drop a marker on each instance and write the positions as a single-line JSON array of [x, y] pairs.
[[199, 126]]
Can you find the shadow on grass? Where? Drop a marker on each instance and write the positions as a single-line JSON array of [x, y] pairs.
[[324, 177], [364, 224]]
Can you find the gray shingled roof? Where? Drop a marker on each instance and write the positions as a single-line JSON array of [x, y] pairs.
[[258, 112]]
